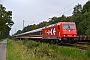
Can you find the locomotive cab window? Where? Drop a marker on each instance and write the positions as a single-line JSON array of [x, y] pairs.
[[70, 26]]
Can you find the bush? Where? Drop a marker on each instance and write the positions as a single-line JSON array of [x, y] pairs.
[[30, 44], [1, 40], [54, 46], [88, 52], [13, 39], [44, 49]]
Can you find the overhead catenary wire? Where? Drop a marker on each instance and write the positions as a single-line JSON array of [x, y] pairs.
[[66, 7], [63, 9], [53, 14], [67, 11]]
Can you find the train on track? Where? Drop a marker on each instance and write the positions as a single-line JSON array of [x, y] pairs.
[[61, 32]]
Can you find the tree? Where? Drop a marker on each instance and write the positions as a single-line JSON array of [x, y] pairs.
[[63, 18], [53, 20], [57, 19], [5, 22], [18, 32], [86, 7], [42, 24], [77, 9]]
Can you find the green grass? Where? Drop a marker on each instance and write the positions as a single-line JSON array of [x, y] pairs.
[[88, 52], [31, 50], [17, 51]]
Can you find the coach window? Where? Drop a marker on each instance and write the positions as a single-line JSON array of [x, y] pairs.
[[58, 27]]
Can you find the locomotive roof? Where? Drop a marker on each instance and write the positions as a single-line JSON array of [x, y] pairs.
[[66, 22], [51, 25], [59, 24]]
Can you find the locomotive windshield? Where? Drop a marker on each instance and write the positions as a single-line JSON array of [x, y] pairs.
[[68, 26]]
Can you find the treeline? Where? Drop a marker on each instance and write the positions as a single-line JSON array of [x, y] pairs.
[[80, 15], [5, 22]]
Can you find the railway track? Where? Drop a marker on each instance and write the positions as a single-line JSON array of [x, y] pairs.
[[83, 46]]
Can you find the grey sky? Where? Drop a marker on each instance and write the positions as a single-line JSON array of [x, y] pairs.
[[36, 11]]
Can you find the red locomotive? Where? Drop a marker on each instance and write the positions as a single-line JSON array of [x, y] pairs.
[[59, 32], [64, 31]]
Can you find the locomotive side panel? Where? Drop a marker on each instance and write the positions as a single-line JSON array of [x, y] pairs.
[[50, 32]]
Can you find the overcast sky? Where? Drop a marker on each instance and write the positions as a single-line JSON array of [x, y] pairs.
[[36, 11]]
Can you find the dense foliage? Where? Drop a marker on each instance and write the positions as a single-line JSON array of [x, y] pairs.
[[5, 22], [31, 50], [80, 15]]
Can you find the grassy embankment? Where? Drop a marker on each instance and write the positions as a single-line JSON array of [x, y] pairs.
[[31, 50]]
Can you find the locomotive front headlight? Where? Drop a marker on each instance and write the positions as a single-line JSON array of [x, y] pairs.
[[64, 35]]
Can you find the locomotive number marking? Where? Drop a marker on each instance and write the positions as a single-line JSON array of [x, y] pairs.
[[52, 32], [49, 32]]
